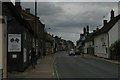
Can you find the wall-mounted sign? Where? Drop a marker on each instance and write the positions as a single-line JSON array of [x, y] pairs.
[[14, 42]]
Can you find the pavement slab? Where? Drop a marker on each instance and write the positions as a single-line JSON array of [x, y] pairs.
[[43, 69]]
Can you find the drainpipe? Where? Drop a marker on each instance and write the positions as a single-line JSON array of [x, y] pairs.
[[108, 51]]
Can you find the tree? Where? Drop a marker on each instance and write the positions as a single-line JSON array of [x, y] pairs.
[[115, 48]]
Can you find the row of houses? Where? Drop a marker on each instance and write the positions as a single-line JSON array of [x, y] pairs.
[[99, 41], [25, 31], [62, 45]]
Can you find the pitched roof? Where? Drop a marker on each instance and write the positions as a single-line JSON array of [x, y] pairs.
[[17, 15], [89, 37], [104, 29], [108, 26]]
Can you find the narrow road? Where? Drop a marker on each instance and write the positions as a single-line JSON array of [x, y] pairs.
[[82, 67]]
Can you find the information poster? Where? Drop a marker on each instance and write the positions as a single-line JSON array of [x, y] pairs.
[[14, 42]]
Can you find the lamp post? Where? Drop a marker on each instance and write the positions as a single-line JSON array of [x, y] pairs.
[[35, 33]]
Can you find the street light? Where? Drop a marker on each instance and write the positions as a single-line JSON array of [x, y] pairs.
[[35, 23]]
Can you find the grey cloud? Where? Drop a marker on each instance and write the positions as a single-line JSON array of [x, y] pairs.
[[89, 16], [70, 18], [48, 9], [30, 5]]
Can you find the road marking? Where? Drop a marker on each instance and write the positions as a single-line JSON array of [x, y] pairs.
[[56, 72]]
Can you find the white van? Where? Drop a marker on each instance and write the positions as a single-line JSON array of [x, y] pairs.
[[72, 52]]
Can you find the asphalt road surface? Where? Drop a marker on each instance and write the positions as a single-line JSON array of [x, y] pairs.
[[82, 67]]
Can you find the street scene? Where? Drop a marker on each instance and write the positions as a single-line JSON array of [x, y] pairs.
[[83, 67], [59, 40]]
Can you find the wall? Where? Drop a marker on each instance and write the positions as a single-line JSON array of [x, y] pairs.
[[1, 49], [113, 34], [88, 45], [119, 30], [17, 61], [3, 46], [100, 45]]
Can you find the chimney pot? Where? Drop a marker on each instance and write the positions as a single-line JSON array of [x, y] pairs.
[[94, 30], [87, 29], [105, 22], [18, 4], [27, 10], [112, 14], [84, 30], [97, 28]]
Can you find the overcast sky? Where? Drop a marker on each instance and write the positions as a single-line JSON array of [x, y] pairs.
[[67, 19]]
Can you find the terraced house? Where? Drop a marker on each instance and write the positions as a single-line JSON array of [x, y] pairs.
[[18, 38], [101, 40]]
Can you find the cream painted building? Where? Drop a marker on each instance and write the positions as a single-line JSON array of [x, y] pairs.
[[101, 45], [108, 34], [114, 33], [3, 47]]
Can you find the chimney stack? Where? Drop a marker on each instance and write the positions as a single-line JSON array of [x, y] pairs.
[[112, 14], [104, 22], [81, 35], [17, 4], [97, 28], [27, 10], [84, 30], [94, 30], [87, 29]]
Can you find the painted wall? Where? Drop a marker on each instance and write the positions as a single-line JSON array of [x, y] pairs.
[[119, 30], [100, 45], [113, 33], [3, 46], [87, 45]]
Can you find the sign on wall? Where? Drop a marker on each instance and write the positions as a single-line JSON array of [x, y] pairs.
[[14, 42]]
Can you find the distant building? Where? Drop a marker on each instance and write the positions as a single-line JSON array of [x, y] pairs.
[[70, 45], [49, 44], [80, 44]]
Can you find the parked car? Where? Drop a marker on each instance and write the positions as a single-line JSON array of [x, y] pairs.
[[71, 52], [77, 52]]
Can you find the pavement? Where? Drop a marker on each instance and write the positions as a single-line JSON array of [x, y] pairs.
[[100, 58], [43, 69]]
